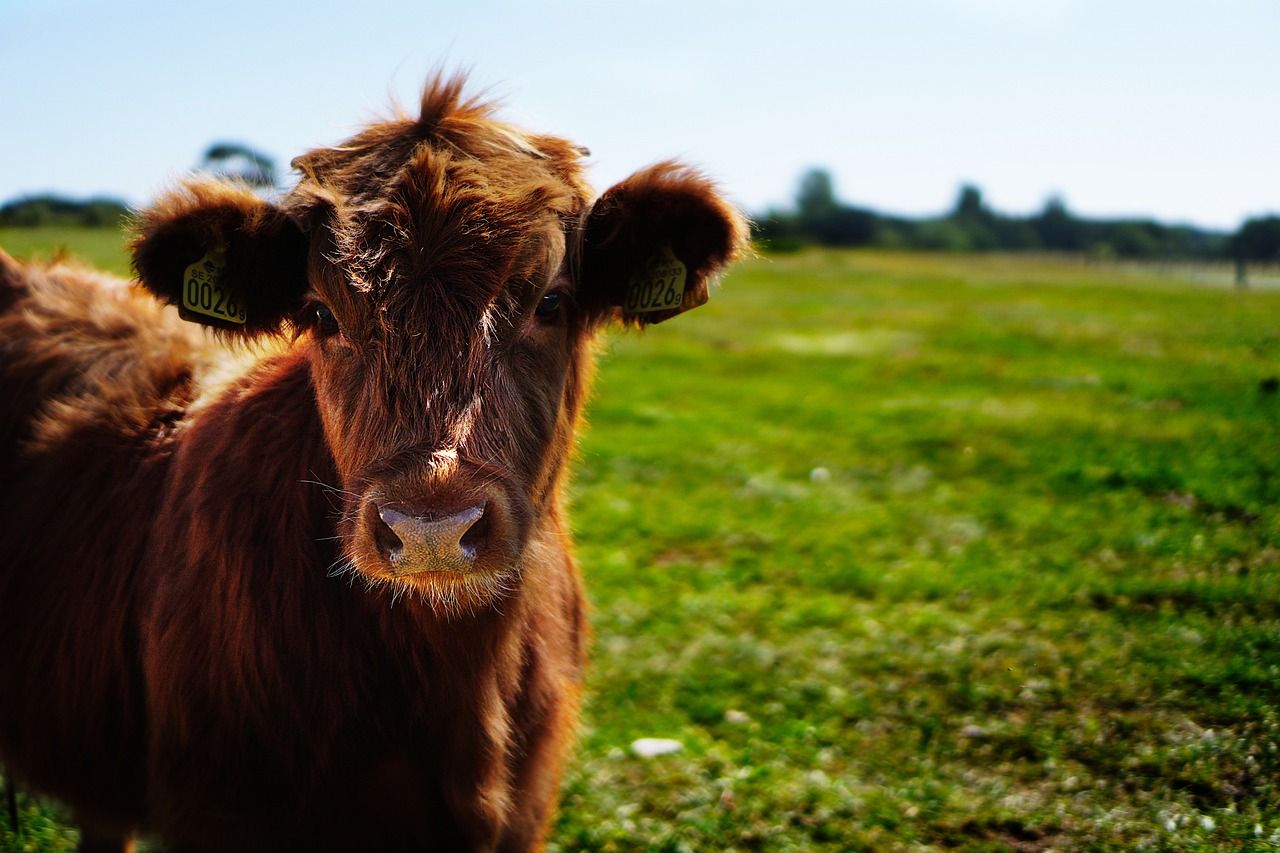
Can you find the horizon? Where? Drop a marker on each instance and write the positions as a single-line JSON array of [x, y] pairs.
[[949, 209], [1145, 112], [284, 184]]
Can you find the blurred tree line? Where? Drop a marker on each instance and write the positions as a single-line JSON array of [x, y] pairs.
[[821, 218], [57, 210], [232, 160]]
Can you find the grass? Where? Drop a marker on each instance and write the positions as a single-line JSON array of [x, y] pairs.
[[930, 552], [99, 247]]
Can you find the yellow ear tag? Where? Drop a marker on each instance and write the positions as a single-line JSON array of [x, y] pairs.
[[202, 291], [657, 287]]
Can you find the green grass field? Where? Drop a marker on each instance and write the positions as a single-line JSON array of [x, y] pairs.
[[926, 552]]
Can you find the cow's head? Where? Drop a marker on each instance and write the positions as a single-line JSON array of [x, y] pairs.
[[445, 274]]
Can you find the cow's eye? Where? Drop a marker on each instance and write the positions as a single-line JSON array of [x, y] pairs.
[[549, 304], [323, 321]]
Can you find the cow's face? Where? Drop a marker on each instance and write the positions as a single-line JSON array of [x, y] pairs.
[[445, 348], [444, 276]]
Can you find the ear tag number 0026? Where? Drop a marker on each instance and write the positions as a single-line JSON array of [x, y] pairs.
[[202, 291], [659, 286]]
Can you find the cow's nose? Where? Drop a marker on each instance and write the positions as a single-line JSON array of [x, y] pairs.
[[446, 542]]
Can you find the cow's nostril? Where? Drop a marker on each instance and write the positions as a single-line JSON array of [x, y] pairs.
[[473, 539], [418, 543], [384, 537]]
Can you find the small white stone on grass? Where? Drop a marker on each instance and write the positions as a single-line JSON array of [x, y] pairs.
[[736, 717], [819, 475], [649, 747]]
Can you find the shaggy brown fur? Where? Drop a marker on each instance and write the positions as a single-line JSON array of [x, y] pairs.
[[202, 635]]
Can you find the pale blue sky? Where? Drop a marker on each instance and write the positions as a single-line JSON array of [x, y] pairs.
[[1164, 108]]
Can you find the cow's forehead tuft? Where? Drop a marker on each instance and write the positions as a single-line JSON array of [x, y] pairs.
[[500, 155], [452, 197]]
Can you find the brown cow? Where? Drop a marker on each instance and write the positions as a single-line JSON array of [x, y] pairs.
[[306, 583]]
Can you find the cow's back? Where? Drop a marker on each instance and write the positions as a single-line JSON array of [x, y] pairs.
[[82, 352], [93, 377]]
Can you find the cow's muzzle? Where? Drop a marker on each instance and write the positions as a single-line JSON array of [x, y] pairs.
[[449, 540]]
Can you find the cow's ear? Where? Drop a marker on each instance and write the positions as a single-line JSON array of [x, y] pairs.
[[652, 243], [224, 256]]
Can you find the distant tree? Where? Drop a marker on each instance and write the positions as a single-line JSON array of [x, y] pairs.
[[969, 204], [851, 226], [1257, 240], [1125, 238], [946, 235], [821, 218], [238, 161], [969, 227], [816, 197], [1014, 233], [1187, 242], [1057, 228]]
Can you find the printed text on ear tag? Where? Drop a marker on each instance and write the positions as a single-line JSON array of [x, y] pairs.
[[659, 286], [202, 291]]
